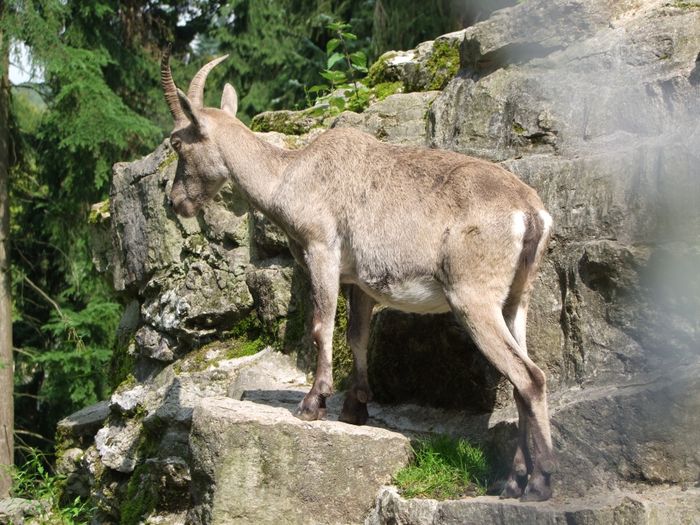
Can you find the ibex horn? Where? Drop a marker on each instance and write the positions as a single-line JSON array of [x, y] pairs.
[[166, 80], [196, 91]]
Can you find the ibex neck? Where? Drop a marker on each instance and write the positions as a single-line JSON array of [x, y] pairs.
[[255, 166]]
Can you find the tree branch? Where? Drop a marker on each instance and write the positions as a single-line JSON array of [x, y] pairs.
[[44, 295]]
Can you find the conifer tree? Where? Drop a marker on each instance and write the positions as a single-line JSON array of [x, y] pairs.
[[97, 102]]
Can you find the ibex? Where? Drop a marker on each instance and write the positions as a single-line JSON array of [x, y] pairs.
[[416, 229]]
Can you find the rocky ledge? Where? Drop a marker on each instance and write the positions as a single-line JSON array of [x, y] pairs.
[[640, 506], [220, 444]]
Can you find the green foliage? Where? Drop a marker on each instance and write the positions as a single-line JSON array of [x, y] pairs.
[[277, 48], [85, 133], [34, 481], [343, 72], [398, 24], [444, 468], [71, 362]]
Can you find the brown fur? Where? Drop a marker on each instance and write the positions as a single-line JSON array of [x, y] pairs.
[[416, 229]]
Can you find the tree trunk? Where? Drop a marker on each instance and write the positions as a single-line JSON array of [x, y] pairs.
[[6, 358]]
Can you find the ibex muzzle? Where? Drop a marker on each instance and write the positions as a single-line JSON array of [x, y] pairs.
[[419, 230]]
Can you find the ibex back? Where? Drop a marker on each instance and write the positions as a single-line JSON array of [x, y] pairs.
[[416, 229]]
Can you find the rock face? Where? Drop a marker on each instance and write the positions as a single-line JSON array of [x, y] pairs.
[[594, 103], [191, 280]]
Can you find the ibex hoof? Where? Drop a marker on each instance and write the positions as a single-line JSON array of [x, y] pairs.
[[354, 408], [312, 407], [514, 487], [538, 488]]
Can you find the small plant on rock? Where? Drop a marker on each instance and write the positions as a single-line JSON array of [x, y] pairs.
[[343, 72]]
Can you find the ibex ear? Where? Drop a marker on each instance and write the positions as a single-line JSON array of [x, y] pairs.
[[229, 100], [191, 113]]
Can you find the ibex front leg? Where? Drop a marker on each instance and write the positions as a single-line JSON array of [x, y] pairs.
[[323, 265]]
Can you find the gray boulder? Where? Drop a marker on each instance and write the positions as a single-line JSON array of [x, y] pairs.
[[260, 464], [399, 119], [20, 511]]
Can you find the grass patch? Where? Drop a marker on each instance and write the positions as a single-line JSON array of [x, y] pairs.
[[444, 468], [248, 337]]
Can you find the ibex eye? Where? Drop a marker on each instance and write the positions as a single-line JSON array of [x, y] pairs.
[[176, 143]]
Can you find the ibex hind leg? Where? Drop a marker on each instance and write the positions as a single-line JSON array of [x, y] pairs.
[[356, 398], [487, 327], [515, 316], [505, 263], [535, 243]]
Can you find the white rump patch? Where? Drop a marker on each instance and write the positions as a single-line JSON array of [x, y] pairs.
[[546, 220], [519, 225]]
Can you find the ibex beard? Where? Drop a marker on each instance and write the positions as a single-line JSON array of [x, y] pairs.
[[416, 229]]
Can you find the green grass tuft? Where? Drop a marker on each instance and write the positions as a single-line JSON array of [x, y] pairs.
[[444, 468]]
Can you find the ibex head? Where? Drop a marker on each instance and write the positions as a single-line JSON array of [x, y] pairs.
[[201, 170]]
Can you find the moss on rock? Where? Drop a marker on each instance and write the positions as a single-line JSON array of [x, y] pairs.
[[442, 64], [378, 72], [141, 497], [99, 212], [385, 89], [429, 67], [246, 337], [287, 122], [122, 363]]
